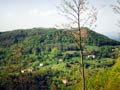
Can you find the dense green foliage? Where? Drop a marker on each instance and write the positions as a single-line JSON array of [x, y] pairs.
[[44, 59]]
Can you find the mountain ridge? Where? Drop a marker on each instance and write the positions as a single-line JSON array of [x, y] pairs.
[[53, 35]]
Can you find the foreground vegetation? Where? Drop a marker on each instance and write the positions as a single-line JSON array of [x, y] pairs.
[[48, 59]]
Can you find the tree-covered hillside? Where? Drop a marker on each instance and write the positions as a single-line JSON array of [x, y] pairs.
[[50, 36], [48, 59], [37, 41]]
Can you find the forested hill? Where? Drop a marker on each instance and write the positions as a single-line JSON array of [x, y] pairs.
[[51, 37], [42, 58]]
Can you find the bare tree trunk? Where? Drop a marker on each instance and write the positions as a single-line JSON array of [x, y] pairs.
[[82, 70], [81, 53]]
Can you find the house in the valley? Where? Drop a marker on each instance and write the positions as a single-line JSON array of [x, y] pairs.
[[60, 60], [92, 56], [64, 81], [27, 70], [41, 64]]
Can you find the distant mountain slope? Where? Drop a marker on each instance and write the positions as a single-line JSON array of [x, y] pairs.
[[34, 44], [51, 36], [99, 39]]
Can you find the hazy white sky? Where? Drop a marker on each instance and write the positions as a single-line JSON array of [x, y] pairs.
[[17, 14]]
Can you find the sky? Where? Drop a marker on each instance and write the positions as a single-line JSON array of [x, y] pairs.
[[22, 14]]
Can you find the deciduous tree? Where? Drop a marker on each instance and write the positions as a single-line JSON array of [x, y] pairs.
[[79, 14]]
